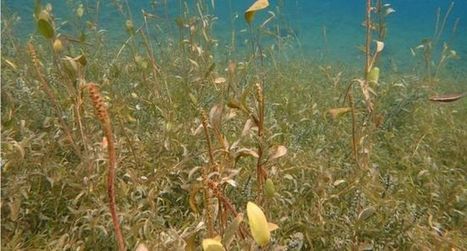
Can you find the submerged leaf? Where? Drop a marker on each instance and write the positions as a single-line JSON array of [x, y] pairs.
[[259, 226], [141, 247], [337, 112], [279, 152], [246, 128], [212, 245], [269, 189], [246, 152], [389, 11], [272, 226], [366, 213], [80, 11], [379, 46], [44, 25], [258, 5], [57, 45], [373, 75], [447, 97], [215, 115]]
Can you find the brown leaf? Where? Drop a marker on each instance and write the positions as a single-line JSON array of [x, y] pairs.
[[215, 115], [246, 152], [337, 112], [279, 152], [246, 128], [450, 97]]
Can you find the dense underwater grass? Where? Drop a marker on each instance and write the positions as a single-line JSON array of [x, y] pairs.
[[410, 196]]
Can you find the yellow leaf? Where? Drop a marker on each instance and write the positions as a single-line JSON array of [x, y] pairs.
[[212, 245], [259, 226], [258, 5], [11, 64], [57, 46]]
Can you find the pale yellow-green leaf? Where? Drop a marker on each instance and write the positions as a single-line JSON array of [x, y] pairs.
[[258, 5], [269, 189], [212, 245], [57, 46], [80, 11], [373, 75], [259, 226]]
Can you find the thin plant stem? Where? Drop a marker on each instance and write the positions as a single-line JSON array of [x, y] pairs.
[[104, 119]]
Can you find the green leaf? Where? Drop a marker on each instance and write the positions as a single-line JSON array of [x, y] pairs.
[[44, 25]]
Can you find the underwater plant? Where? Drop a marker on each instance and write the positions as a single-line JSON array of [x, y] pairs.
[[213, 139], [430, 48], [104, 119]]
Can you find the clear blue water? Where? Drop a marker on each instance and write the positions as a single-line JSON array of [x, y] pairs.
[[413, 21]]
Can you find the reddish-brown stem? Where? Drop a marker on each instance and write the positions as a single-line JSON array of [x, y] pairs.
[[104, 119]]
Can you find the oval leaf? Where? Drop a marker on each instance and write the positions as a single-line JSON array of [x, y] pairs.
[[212, 245], [259, 226], [366, 213], [44, 25], [279, 152], [258, 5], [269, 188], [373, 75], [379, 46]]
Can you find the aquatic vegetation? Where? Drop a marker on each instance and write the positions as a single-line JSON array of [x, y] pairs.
[[207, 143], [104, 119], [258, 224], [430, 47]]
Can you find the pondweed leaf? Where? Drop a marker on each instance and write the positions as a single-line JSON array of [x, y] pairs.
[[259, 226], [213, 244], [80, 11], [258, 5], [44, 25], [373, 75], [447, 97], [379, 46], [57, 46], [366, 213], [269, 189], [278, 152], [338, 112], [141, 247]]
